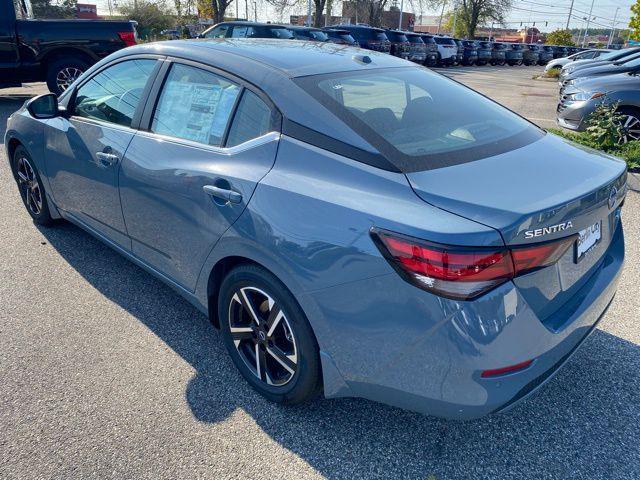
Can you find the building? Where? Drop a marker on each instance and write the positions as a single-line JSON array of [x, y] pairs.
[[87, 11], [432, 24]]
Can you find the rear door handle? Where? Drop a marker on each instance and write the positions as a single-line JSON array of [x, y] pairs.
[[107, 159], [223, 193]]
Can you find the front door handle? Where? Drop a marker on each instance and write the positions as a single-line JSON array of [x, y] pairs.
[[107, 159], [223, 193]]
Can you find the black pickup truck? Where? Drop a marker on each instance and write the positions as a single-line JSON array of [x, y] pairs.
[[55, 51]]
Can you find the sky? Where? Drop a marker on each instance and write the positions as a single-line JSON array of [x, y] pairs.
[[555, 12]]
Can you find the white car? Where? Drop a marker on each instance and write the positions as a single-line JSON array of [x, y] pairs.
[[585, 55], [447, 50]]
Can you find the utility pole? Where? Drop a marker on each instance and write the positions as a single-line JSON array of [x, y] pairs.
[[569, 17], [255, 11], [613, 27], [586, 31], [237, 7], [400, 19], [246, 9], [308, 13]]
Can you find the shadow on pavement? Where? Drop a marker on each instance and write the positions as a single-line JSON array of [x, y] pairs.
[[584, 423]]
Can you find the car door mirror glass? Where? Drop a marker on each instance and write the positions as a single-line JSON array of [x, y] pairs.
[[44, 106]]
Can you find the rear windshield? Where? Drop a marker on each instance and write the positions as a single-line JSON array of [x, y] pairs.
[[319, 35], [415, 39], [444, 41], [548, 49], [282, 33], [499, 46], [347, 37], [396, 37], [417, 119], [428, 40], [469, 43], [484, 45], [377, 35]]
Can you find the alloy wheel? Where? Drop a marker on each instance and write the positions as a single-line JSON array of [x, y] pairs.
[[263, 336], [66, 77], [28, 182], [630, 129]]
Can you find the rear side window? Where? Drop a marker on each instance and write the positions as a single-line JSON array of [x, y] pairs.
[[194, 105], [114, 94], [444, 41], [419, 120], [252, 119], [281, 33]]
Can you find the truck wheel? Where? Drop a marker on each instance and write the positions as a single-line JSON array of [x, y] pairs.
[[63, 72]]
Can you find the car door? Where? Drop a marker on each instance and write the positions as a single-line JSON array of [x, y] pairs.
[[209, 140], [8, 42], [84, 148]]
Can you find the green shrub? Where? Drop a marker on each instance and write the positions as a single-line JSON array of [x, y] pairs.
[[603, 133]]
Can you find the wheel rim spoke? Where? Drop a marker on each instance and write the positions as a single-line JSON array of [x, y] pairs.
[[275, 317], [248, 305], [282, 358]]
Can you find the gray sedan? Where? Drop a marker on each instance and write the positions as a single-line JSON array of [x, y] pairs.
[[578, 102]]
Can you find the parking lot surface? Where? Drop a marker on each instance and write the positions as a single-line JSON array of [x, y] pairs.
[[105, 372]]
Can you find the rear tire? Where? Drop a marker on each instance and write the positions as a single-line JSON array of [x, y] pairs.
[[30, 185], [63, 72], [268, 336]]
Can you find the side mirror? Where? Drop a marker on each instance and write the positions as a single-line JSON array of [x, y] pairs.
[[44, 106]]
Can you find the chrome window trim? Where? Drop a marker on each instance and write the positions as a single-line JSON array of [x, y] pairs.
[[249, 144]]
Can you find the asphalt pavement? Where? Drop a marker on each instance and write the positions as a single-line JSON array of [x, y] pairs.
[[106, 373]]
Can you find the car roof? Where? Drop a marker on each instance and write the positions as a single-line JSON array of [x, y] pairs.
[[250, 23], [302, 28]]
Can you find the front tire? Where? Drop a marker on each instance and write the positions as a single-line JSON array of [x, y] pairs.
[[268, 336], [30, 186], [63, 72]]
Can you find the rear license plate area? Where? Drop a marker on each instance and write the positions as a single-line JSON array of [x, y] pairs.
[[587, 240]]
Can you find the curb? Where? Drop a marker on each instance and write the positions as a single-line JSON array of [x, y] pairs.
[[633, 181]]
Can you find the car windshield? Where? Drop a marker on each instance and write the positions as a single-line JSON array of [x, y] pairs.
[[615, 55], [417, 117], [627, 61]]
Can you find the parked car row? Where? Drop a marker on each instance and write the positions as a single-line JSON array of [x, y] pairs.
[[423, 48], [610, 79]]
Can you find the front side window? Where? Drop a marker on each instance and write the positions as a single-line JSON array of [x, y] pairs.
[[114, 94], [217, 32], [417, 118], [252, 119], [194, 105]]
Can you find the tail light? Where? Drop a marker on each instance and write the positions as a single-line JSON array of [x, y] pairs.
[[129, 38], [463, 272]]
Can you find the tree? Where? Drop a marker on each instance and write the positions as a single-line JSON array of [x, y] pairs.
[[472, 13], [47, 9], [152, 17], [560, 37], [634, 23], [219, 8]]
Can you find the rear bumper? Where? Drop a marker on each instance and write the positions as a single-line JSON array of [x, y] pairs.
[[404, 347]]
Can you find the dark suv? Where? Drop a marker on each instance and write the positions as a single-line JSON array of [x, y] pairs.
[[546, 54], [458, 60], [484, 52], [417, 48], [400, 45], [531, 54], [247, 30], [432, 49], [469, 51], [368, 37], [311, 34], [341, 37], [514, 54], [559, 51], [498, 53]]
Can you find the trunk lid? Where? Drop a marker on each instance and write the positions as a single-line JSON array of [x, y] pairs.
[[544, 191]]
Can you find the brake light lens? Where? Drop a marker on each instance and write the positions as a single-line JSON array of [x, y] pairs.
[[129, 38], [461, 272]]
